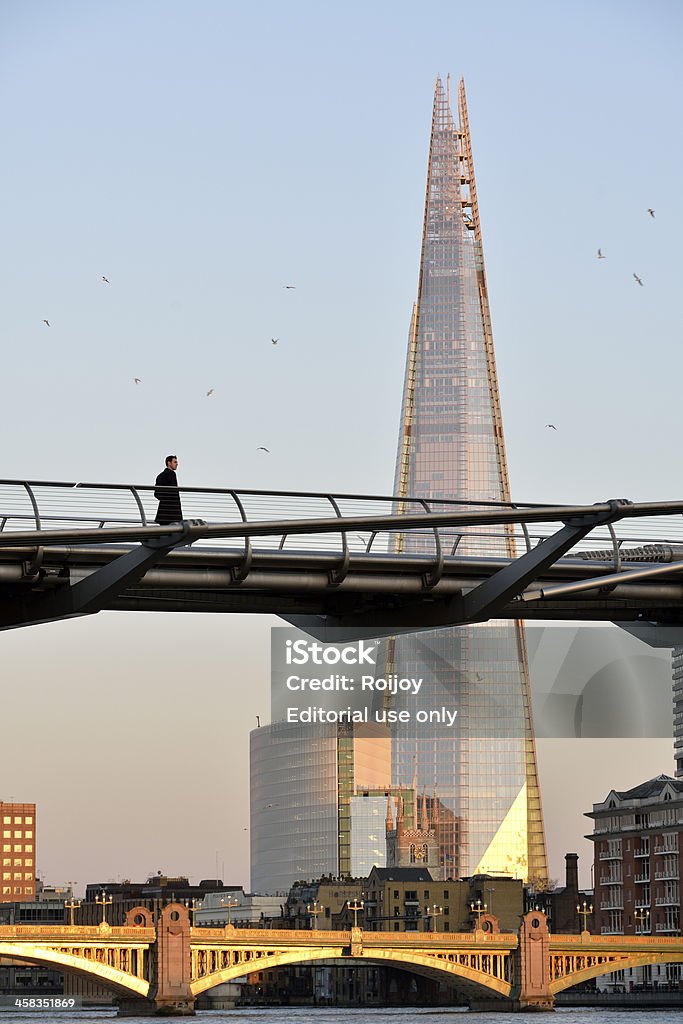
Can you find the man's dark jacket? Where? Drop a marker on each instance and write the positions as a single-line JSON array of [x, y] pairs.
[[169, 510]]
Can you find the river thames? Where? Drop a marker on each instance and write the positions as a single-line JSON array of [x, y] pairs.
[[342, 1015]]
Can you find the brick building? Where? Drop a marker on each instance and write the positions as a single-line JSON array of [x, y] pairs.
[[18, 852], [637, 838]]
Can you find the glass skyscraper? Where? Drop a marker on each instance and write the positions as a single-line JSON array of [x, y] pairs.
[[309, 793], [313, 790], [451, 446]]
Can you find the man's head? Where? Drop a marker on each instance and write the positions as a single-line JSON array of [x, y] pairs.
[[171, 462]]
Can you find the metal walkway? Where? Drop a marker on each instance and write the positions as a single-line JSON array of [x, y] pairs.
[[370, 564]]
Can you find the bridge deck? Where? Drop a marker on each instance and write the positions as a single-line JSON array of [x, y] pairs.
[[361, 561]]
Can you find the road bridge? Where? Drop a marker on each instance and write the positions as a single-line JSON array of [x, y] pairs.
[[364, 564], [163, 965]]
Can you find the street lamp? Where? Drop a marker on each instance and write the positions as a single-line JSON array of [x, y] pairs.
[[71, 906], [355, 907], [193, 907], [642, 916], [433, 912], [228, 904], [478, 908], [313, 909], [104, 901], [584, 913]]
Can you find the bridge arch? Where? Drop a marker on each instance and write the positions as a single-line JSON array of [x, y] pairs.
[[119, 981], [622, 964], [432, 965]]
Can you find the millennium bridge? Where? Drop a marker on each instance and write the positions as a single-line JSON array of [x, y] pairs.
[[365, 565], [162, 966]]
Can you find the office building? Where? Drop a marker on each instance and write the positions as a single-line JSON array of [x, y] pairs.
[[18, 852], [305, 822], [451, 446]]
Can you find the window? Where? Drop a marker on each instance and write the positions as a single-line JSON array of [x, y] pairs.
[[426, 894], [6, 820], [17, 821], [28, 848]]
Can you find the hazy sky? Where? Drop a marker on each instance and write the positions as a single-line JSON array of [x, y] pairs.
[[203, 155]]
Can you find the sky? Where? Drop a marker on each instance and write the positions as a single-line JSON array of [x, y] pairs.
[[202, 156]]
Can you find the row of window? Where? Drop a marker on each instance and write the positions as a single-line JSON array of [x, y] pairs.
[[18, 819], [19, 847]]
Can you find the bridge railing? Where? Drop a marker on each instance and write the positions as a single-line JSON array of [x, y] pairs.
[[47, 506]]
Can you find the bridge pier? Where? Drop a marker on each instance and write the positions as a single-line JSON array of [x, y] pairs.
[[532, 967], [171, 995]]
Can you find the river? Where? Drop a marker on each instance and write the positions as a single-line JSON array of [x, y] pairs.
[[341, 1015]]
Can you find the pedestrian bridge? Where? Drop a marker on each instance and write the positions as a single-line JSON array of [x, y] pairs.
[[364, 564], [163, 966]]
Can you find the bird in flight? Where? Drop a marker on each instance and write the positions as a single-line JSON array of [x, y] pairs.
[[289, 286], [209, 392], [638, 280], [274, 340], [46, 322], [651, 212], [105, 279], [137, 380], [262, 449], [600, 255], [551, 425]]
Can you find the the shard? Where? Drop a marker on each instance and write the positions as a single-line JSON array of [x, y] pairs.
[[484, 777]]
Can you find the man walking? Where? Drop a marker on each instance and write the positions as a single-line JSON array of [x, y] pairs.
[[169, 510]]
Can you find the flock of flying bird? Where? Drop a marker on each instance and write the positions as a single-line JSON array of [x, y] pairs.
[[288, 287], [138, 380], [636, 278]]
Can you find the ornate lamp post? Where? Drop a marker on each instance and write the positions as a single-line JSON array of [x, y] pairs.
[[313, 909], [104, 901], [478, 908], [355, 906], [229, 904], [71, 906], [642, 916], [193, 907], [584, 911], [432, 912]]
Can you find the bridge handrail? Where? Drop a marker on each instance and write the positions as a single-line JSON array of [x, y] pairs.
[[585, 939], [94, 932]]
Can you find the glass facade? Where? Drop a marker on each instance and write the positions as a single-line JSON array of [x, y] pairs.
[[368, 834], [303, 781], [451, 446]]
